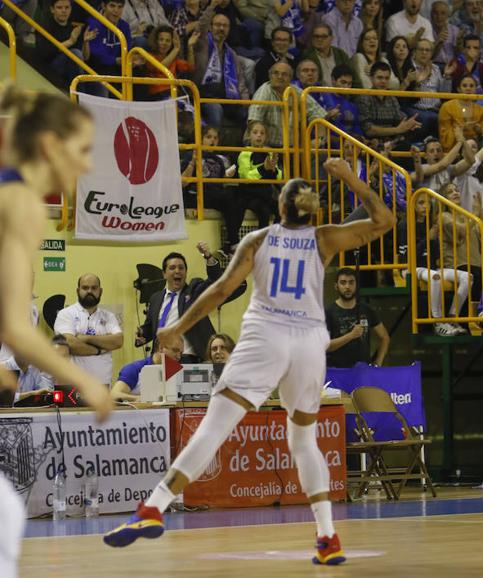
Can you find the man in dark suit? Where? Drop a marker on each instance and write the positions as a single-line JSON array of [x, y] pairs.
[[167, 306]]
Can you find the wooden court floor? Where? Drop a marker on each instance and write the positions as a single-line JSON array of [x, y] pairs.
[[416, 547]]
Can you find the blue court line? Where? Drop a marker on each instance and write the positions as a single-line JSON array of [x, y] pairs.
[[260, 516]]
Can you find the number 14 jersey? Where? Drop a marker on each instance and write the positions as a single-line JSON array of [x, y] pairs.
[[288, 278]]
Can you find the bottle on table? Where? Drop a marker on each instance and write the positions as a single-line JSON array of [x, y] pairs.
[[59, 494], [91, 494]]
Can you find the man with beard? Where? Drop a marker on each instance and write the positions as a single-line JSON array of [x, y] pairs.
[[410, 24], [92, 332], [349, 322]]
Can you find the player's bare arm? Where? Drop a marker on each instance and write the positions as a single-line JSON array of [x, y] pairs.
[[17, 250], [333, 239], [236, 272]]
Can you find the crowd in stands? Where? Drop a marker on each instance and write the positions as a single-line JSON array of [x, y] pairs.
[[254, 49]]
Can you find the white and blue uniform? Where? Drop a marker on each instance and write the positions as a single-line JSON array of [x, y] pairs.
[[283, 337]]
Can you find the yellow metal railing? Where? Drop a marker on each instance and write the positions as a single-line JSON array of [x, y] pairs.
[[66, 51], [373, 92], [372, 164], [12, 48], [451, 246]]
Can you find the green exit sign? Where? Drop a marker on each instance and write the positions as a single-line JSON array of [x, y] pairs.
[[54, 263]]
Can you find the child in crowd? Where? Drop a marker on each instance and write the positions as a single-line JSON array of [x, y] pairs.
[[258, 165], [164, 46], [215, 195], [428, 265]]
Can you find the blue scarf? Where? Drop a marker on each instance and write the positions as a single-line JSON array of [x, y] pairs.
[[215, 72]]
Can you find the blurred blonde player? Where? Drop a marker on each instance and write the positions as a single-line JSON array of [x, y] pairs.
[[48, 143], [282, 339]]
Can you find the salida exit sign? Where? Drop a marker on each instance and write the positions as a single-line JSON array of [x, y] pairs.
[[53, 245], [54, 263]]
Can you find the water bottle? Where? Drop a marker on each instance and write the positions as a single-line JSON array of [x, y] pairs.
[[91, 494], [58, 510]]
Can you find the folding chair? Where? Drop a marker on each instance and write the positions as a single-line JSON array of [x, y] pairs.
[[372, 400], [367, 475]]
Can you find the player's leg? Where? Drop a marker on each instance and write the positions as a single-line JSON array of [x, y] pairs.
[[12, 521], [314, 479], [225, 410], [300, 395]]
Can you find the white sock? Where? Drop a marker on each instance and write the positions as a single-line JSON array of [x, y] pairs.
[[323, 516], [161, 498]]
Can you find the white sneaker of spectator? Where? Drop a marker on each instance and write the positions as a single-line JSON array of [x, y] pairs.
[[460, 330], [445, 330]]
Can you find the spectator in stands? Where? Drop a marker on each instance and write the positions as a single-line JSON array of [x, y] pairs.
[[311, 18], [469, 62], [219, 348], [216, 195], [324, 54], [281, 75], [368, 53], [256, 165], [218, 72], [185, 21], [345, 26], [399, 58], [410, 24], [464, 113], [470, 181], [428, 79], [92, 332], [349, 323], [23, 31], [142, 16], [105, 47], [381, 116], [126, 387], [441, 168], [281, 38], [428, 266], [468, 18], [371, 16], [165, 307], [347, 117], [455, 222], [58, 23], [164, 45], [30, 380], [291, 14], [306, 75], [446, 35]]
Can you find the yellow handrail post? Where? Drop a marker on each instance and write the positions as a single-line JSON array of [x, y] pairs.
[[12, 48]]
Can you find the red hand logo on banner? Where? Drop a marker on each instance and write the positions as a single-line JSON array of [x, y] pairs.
[[136, 151]]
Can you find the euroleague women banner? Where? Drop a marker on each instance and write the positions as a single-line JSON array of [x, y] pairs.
[[134, 192]]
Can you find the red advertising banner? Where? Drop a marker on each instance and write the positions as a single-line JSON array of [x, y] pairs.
[[254, 467]]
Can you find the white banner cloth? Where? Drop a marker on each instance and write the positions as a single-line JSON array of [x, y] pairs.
[[130, 453], [134, 192]]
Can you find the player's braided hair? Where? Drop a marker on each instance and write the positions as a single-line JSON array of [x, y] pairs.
[[301, 201]]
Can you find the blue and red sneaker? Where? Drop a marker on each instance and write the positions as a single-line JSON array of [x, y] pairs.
[[329, 551], [145, 523]]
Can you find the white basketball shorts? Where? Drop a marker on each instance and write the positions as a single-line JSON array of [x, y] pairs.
[[268, 355]]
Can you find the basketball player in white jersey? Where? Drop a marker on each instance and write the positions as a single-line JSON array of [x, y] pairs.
[[282, 341]]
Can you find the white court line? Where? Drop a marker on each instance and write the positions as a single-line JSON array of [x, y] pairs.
[[398, 519]]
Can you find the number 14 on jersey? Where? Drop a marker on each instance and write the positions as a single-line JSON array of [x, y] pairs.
[[280, 282]]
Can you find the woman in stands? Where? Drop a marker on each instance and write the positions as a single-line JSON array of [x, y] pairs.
[[427, 266], [371, 15], [467, 114], [164, 45], [399, 58], [48, 140], [368, 52], [467, 242]]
